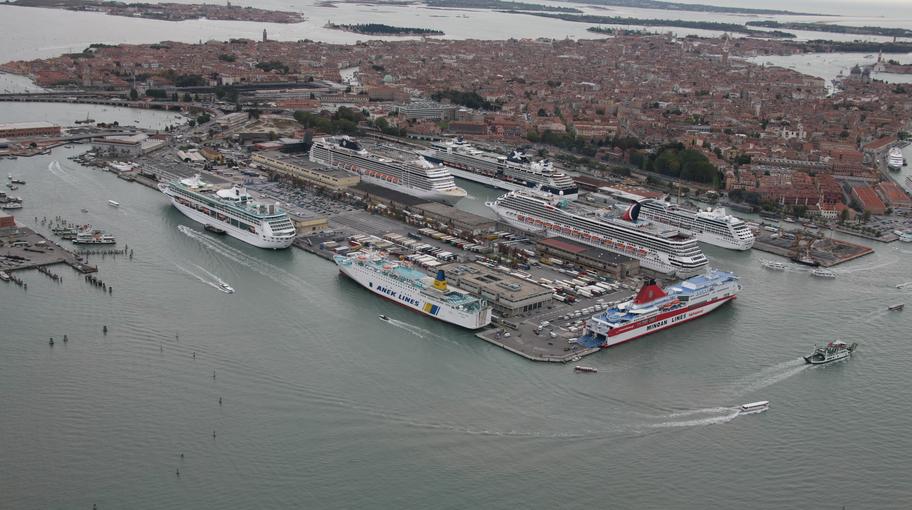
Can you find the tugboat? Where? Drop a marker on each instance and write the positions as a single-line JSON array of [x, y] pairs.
[[805, 260], [833, 351]]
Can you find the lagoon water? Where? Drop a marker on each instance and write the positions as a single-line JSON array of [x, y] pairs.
[[325, 406]]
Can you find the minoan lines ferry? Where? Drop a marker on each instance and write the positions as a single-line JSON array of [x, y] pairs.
[[654, 309], [232, 210], [413, 289]]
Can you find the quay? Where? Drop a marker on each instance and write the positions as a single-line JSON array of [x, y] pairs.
[[22, 248], [826, 251]]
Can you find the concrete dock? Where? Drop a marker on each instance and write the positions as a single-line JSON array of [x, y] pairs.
[[828, 252], [22, 248]]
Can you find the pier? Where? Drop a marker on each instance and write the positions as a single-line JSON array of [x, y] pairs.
[[22, 248], [826, 251]]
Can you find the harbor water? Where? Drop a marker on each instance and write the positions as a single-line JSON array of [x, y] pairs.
[[291, 392]]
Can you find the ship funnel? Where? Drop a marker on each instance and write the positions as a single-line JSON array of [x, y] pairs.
[[650, 291], [632, 213], [440, 281]]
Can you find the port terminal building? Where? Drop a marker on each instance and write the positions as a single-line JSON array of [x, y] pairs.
[[508, 294], [23, 129], [299, 167]]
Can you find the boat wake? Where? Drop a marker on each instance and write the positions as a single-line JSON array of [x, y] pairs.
[[769, 376], [699, 417], [872, 267], [58, 171], [220, 284], [213, 284], [419, 331]]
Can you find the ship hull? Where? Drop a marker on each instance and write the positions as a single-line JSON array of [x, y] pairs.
[[235, 232], [650, 261], [403, 295], [663, 322]]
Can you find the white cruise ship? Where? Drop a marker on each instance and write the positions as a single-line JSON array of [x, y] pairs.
[[665, 250], [418, 178], [514, 172], [414, 290], [233, 211], [711, 226], [895, 159]]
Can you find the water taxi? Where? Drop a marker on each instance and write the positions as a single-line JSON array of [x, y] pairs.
[[113, 203], [754, 407]]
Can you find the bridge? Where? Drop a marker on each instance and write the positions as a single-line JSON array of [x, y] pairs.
[[108, 100]]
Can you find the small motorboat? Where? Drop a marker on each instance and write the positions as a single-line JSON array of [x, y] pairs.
[[213, 229], [754, 407], [587, 370], [224, 287], [84, 210], [833, 351], [897, 307], [112, 203], [383, 317]]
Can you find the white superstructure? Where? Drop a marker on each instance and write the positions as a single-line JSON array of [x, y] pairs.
[[419, 178], [413, 289], [233, 211], [711, 226], [895, 159], [665, 250]]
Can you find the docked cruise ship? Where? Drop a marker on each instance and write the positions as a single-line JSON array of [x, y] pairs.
[[513, 172], [233, 211], [895, 159], [419, 178], [414, 290], [711, 226], [658, 248], [654, 309]]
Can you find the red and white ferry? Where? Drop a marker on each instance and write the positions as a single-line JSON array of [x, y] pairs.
[[654, 309]]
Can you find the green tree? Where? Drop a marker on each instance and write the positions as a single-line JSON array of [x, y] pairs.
[[134, 95]]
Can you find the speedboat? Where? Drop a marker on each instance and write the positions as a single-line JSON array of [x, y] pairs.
[[113, 203], [383, 317], [823, 273], [224, 287], [754, 407], [833, 351], [897, 307], [580, 368]]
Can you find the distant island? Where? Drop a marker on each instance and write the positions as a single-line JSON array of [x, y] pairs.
[[672, 6], [701, 25], [824, 46], [169, 11], [835, 29], [380, 29], [499, 5]]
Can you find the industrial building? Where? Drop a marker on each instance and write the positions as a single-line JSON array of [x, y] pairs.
[[21, 129], [304, 169], [455, 218], [618, 266], [508, 294]]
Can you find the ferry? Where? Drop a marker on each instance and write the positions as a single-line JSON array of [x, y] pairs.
[[833, 351], [654, 309], [232, 210], [419, 178], [661, 249], [773, 265], [895, 159], [513, 172], [93, 236], [406, 286], [823, 273], [754, 407], [710, 226], [112, 203]]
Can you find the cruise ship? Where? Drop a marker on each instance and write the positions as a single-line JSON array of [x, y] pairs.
[[654, 309], [232, 210], [513, 172], [419, 178], [413, 289], [711, 226], [895, 159], [658, 248]]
